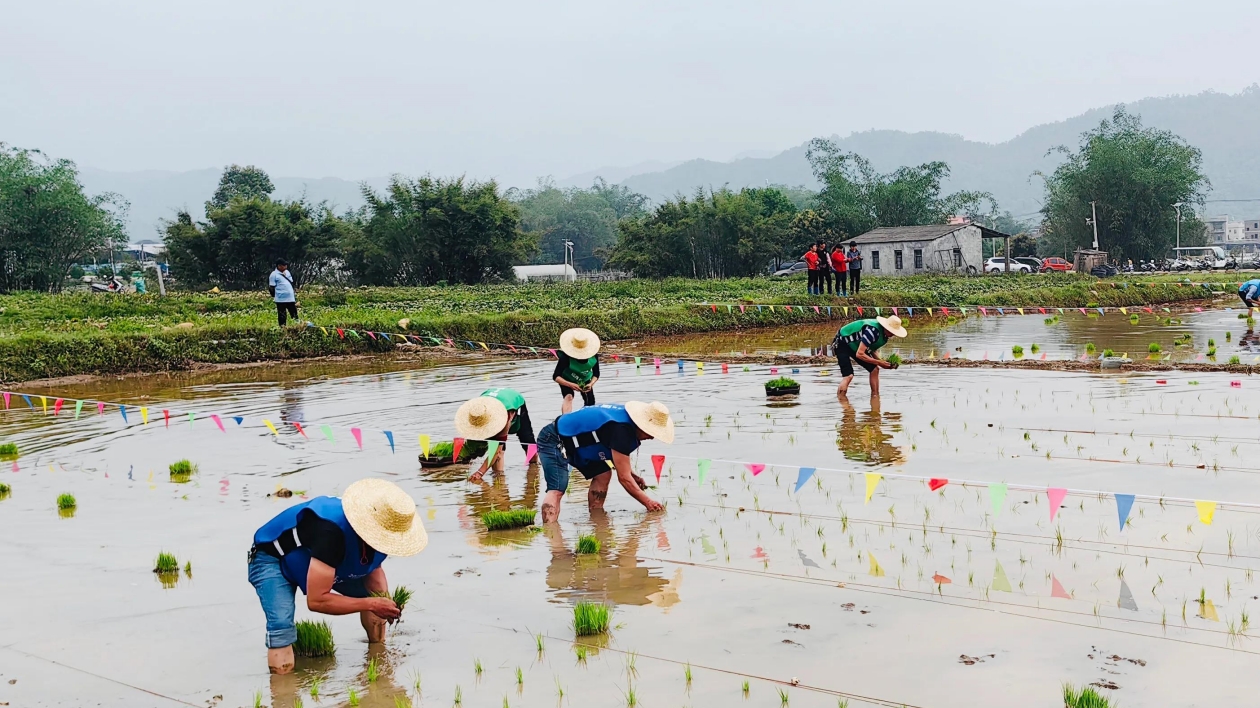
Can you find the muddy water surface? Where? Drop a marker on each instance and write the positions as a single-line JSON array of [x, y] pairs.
[[916, 597]]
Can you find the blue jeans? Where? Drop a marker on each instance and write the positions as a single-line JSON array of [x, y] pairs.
[[276, 594], [555, 465]]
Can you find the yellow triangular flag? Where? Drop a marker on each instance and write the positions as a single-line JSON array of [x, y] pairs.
[[846, 312], [483, 346], [699, 366], [999, 579], [1208, 611], [424, 446], [271, 427], [876, 571], [144, 415], [324, 330], [1021, 310], [44, 401], [929, 312], [1206, 510], [872, 480], [1124, 311]]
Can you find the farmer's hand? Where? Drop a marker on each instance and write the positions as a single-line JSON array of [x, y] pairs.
[[653, 505], [894, 366], [476, 476], [639, 481], [384, 608]]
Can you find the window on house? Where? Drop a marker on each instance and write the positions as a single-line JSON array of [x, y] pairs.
[[918, 259], [958, 258], [874, 259], [897, 262]]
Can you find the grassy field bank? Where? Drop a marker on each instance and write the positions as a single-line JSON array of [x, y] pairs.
[[45, 336]]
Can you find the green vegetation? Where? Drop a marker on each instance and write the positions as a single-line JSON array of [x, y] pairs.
[[66, 502], [1084, 697], [1211, 342], [472, 449], [314, 639], [591, 618], [182, 470], [401, 596], [8, 451], [587, 545], [373, 670], [894, 359], [165, 564], [1153, 347], [512, 519], [1134, 319], [1211, 351], [1109, 352], [5, 491], [1089, 347], [1017, 350], [1235, 359], [781, 382], [1035, 348]]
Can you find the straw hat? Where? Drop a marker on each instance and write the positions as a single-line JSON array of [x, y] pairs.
[[481, 418], [893, 325], [652, 418], [579, 343], [385, 517]]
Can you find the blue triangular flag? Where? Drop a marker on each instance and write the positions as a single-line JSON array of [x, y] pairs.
[[1124, 503], [123, 409], [1001, 311], [131, 469], [27, 399], [803, 476], [759, 308], [238, 419], [909, 312], [389, 435], [386, 336], [829, 311]]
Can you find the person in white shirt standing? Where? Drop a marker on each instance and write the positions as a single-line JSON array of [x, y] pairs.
[[283, 292]]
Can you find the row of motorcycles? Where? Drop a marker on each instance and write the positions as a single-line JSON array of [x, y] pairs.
[[1180, 265]]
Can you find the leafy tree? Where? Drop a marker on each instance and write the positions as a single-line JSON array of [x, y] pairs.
[[716, 235], [586, 217], [76, 272], [855, 198], [430, 230], [1134, 175], [238, 245], [47, 223], [240, 182], [808, 227]]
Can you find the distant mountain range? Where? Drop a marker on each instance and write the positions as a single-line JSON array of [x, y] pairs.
[[1226, 127]]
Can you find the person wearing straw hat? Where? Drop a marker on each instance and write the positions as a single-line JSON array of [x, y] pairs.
[[597, 441], [495, 414], [332, 549], [860, 341], [577, 366]]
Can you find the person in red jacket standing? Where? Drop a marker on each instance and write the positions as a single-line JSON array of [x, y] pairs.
[[811, 265], [840, 265]]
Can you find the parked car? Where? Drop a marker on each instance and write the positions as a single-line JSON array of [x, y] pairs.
[[1034, 263], [1055, 263], [997, 264], [790, 269]]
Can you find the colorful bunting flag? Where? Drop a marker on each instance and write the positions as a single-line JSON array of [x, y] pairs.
[[424, 446], [703, 467], [218, 422], [1126, 601], [755, 467], [78, 408], [57, 405], [271, 427], [166, 416], [531, 451], [658, 461], [358, 436], [301, 430], [872, 481], [1056, 589], [1207, 509], [1124, 504], [456, 446], [876, 571], [492, 449], [239, 419], [123, 409], [389, 435], [1056, 495], [997, 495], [1000, 582], [936, 483], [144, 415], [802, 476], [328, 433]]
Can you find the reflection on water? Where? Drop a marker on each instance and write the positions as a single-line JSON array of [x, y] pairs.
[[614, 574], [372, 691], [861, 436]]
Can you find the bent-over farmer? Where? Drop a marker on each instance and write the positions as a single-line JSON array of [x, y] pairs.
[[481, 419], [332, 549], [1250, 293], [860, 341]]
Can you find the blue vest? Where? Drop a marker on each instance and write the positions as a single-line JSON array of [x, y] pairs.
[[577, 432], [1249, 284], [297, 562]]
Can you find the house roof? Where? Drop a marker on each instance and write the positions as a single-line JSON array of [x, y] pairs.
[[893, 234]]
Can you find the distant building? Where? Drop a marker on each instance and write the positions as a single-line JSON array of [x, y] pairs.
[[557, 271], [914, 250], [1216, 226], [1233, 234], [1251, 230]]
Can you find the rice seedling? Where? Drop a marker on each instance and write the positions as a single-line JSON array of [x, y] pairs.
[[5, 490], [520, 677], [1084, 697], [894, 359], [182, 470], [401, 596], [188, 568], [257, 699], [459, 695], [744, 689], [352, 697], [373, 670], [1089, 347], [1153, 348], [1017, 350], [631, 670], [315, 683], [580, 651], [8, 451], [1109, 352], [1235, 359], [538, 641], [513, 519], [66, 502], [314, 639], [632, 699], [1229, 336], [165, 564], [1035, 348], [478, 669], [842, 703], [1211, 351], [402, 702], [505, 702], [687, 673], [591, 618], [297, 702], [783, 697], [1133, 319], [587, 545], [559, 689]]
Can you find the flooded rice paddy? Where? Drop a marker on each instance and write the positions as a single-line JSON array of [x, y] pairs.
[[959, 597]]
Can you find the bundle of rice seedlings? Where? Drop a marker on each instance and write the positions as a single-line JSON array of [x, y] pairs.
[[9, 451], [1109, 352], [1017, 350], [1035, 348], [1211, 351], [591, 618], [512, 519], [5, 490], [587, 545], [894, 359], [66, 502], [182, 470], [166, 563], [401, 596], [1084, 697], [1089, 347], [1153, 347], [314, 639], [1235, 360], [1133, 319]]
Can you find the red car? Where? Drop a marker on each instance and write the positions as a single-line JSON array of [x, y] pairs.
[[1059, 264]]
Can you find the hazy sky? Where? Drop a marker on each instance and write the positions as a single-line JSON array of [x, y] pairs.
[[519, 89]]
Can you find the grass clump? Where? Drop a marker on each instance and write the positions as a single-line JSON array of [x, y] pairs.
[[314, 639], [8, 451], [182, 470], [166, 563], [587, 545], [591, 618], [511, 519], [66, 502], [1153, 347], [1035, 348], [1084, 697]]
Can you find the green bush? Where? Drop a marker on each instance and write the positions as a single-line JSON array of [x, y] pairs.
[[1235, 359]]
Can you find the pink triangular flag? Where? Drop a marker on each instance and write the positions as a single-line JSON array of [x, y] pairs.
[[100, 408], [456, 446], [530, 452], [15, 467], [217, 422], [755, 467], [657, 462], [1056, 589], [358, 436], [1056, 495], [6, 399]]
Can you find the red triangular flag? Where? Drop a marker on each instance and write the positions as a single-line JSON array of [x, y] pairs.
[[713, 307], [859, 309], [941, 579], [57, 405], [1056, 589], [456, 447], [341, 333], [658, 461], [936, 483], [299, 429], [167, 415]]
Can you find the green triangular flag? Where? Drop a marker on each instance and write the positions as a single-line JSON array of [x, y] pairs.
[[997, 494], [703, 465], [999, 579], [492, 447], [327, 432], [191, 415], [78, 406], [638, 360]]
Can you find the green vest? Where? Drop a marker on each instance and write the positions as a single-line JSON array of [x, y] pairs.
[[579, 370], [511, 400], [849, 334]]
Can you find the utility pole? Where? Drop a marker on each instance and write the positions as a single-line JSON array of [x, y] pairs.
[[1178, 206], [1093, 209]]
